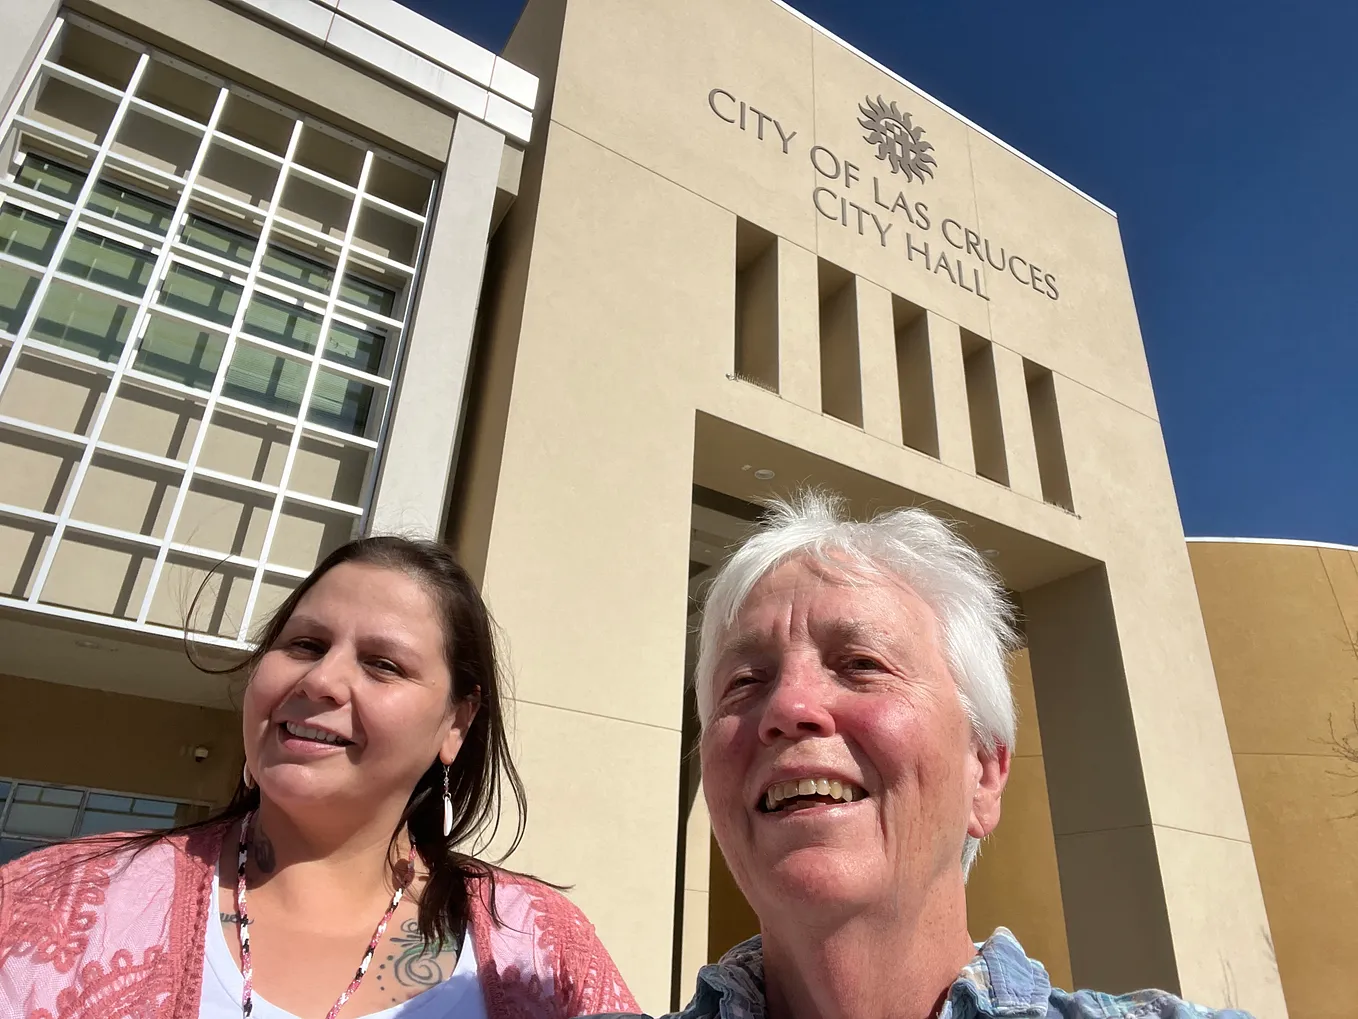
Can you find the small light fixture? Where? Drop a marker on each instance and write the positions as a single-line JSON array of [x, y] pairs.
[[990, 553], [93, 645], [200, 753], [764, 474]]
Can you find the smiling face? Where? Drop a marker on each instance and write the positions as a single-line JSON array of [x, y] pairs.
[[838, 762], [351, 704]]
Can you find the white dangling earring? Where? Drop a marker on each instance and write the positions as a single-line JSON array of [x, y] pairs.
[[447, 806], [246, 777]]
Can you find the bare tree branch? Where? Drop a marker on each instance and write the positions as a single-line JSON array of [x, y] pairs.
[[1345, 745]]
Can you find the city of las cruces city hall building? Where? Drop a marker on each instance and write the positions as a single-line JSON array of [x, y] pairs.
[[276, 273]]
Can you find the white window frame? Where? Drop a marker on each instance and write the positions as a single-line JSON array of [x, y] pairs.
[[37, 841], [172, 251]]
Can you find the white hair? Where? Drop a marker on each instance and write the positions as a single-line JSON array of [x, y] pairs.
[[975, 618]]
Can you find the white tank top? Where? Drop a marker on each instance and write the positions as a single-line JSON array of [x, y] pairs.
[[457, 997]]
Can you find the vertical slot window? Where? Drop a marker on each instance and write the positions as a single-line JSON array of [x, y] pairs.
[[915, 375], [841, 393], [1051, 447], [756, 306], [983, 403]]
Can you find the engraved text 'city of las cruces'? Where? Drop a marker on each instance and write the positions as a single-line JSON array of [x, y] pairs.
[[878, 208]]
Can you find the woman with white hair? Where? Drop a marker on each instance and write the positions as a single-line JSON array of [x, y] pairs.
[[857, 726]]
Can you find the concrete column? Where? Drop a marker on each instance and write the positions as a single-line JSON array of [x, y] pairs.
[[23, 26], [1153, 848], [950, 394], [1149, 900], [1016, 422], [877, 363], [695, 854], [798, 326], [693, 947], [1117, 925], [590, 538], [422, 441]]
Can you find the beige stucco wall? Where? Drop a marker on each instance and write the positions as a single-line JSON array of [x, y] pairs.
[[23, 24], [1282, 621], [52, 732], [606, 389]]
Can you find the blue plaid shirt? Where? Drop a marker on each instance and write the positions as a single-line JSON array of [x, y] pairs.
[[1001, 982]]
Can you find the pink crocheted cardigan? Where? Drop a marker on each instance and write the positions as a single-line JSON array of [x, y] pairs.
[[90, 938]]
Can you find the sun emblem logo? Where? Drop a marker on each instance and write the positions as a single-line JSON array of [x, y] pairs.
[[898, 141]]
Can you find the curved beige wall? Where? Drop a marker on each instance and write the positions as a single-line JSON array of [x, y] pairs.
[[1281, 621]]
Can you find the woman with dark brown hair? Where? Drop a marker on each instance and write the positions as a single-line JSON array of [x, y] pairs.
[[375, 748]]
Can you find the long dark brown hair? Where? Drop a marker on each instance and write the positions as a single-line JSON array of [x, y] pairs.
[[483, 772]]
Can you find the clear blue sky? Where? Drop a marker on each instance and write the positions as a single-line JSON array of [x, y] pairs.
[[1225, 134]]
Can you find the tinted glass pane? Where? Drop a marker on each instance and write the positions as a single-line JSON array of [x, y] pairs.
[[181, 352], [108, 263], [117, 202], [265, 380], [100, 822], [27, 235], [155, 808], [299, 269], [102, 801], [41, 819], [82, 320], [4, 792], [51, 178], [367, 295], [357, 347], [16, 294], [202, 294], [219, 240], [283, 322], [12, 849], [48, 794], [341, 403]]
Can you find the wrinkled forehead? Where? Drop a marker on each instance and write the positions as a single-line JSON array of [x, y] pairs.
[[832, 599]]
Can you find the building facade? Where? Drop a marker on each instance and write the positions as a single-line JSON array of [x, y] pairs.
[[221, 354], [277, 272]]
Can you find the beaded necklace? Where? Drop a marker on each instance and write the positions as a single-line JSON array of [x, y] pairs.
[[243, 925]]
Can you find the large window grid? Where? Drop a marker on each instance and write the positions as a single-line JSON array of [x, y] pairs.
[[166, 236], [36, 814]]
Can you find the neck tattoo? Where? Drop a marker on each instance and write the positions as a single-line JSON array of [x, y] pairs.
[[249, 842], [262, 851]]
